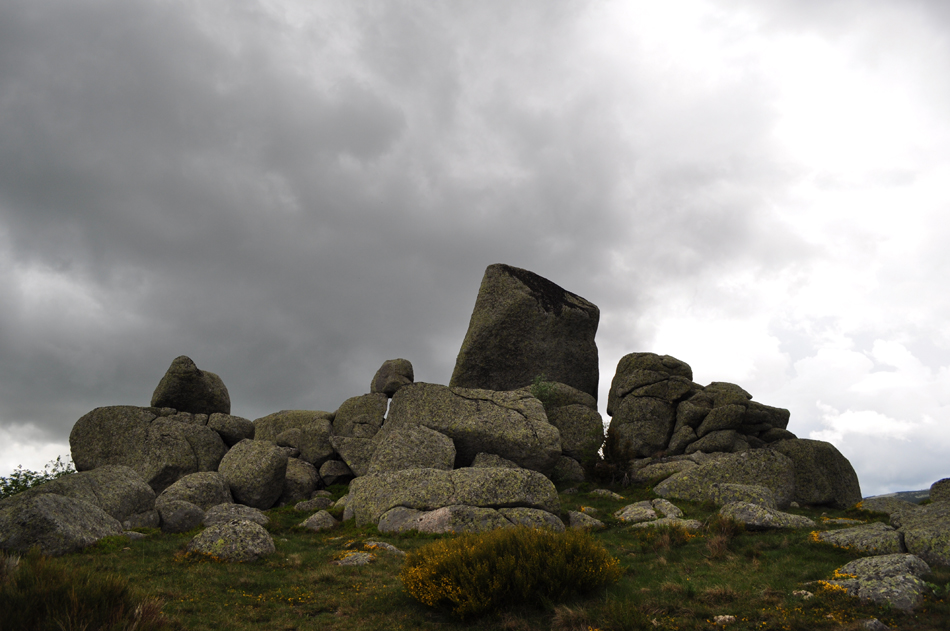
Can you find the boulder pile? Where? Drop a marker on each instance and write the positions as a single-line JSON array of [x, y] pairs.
[[519, 415]]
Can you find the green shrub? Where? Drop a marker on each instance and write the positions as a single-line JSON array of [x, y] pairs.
[[39, 593], [22, 479], [474, 573]]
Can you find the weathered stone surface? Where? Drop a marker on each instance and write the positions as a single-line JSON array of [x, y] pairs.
[[637, 370], [721, 494], [581, 429], [429, 489], [461, 518], [764, 467], [641, 427], [300, 482], [893, 579], [335, 472], [237, 541], [116, 489], [580, 520], [392, 375], [724, 417], [658, 471], [231, 429], [635, 513], [722, 441], [822, 475], [55, 523], [666, 508], [204, 489], [567, 470], [146, 519], [161, 449], [512, 425], [413, 447], [533, 518], [223, 513], [488, 461], [873, 538], [553, 395], [321, 520], [255, 471], [179, 516], [188, 389], [360, 417], [940, 491], [524, 326], [757, 517], [357, 453], [316, 503], [313, 438], [927, 532]]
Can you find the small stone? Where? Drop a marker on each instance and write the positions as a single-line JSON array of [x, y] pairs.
[[607, 494], [355, 558]]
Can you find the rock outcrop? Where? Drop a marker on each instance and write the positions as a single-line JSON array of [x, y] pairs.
[[823, 477], [308, 431], [512, 425], [255, 472], [55, 523], [893, 580], [161, 445], [188, 389], [524, 326]]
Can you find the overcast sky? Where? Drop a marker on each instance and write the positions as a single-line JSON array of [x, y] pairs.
[[291, 192]]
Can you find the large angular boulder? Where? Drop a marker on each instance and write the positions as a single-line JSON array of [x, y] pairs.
[[413, 447], [158, 444], [512, 425], [232, 429], [178, 516], [204, 489], [524, 326], [759, 517], [55, 523], [116, 489], [822, 475], [872, 538], [392, 375], [188, 389], [308, 431], [255, 472], [357, 453], [763, 467], [360, 417], [430, 489]]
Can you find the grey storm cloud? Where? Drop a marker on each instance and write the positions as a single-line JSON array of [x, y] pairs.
[[292, 193]]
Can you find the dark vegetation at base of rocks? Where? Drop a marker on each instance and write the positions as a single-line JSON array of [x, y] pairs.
[[672, 579]]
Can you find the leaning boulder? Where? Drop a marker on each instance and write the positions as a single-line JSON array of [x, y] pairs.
[[188, 389], [764, 467], [823, 476], [231, 429], [524, 326], [360, 417], [56, 524], [512, 425], [392, 375], [236, 541], [581, 429], [430, 489], [160, 445], [255, 472], [300, 482]]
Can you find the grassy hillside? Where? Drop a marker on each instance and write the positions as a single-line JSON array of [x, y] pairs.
[[671, 580]]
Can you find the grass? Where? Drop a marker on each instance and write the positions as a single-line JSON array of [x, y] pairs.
[[670, 581]]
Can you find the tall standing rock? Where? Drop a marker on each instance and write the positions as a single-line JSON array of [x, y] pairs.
[[188, 389], [524, 326]]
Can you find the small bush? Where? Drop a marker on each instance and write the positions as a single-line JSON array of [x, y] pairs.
[[38, 593], [474, 573], [22, 479]]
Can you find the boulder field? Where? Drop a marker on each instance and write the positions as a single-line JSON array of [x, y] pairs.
[[518, 416]]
